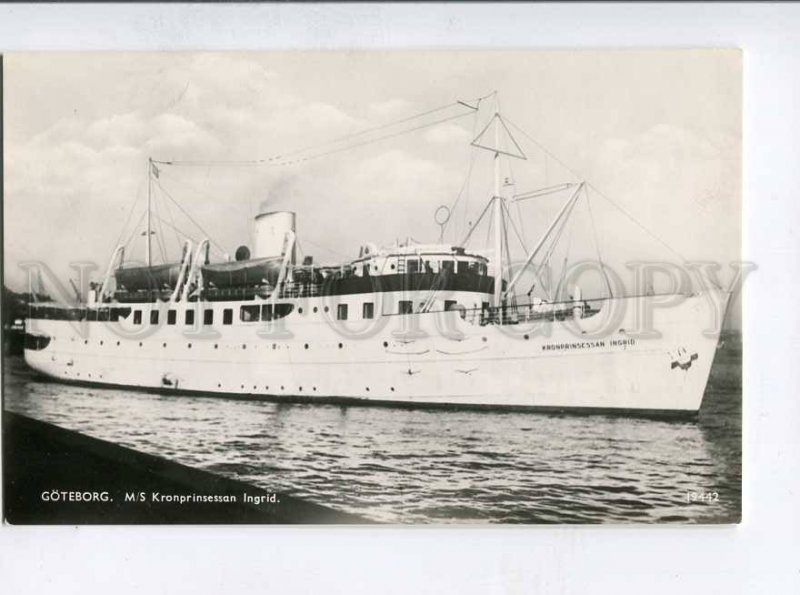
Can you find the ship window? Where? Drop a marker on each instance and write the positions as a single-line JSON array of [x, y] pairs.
[[448, 265], [405, 307], [189, 317], [103, 314], [137, 317], [448, 305], [368, 310], [463, 267], [172, 316], [227, 316], [341, 312], [208, 317], [117, 313], [413, 266], [282, 310], [366, 270], [266, 312], [248, 313], [153, 316]]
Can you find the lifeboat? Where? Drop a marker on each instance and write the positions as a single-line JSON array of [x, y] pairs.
[[160, 276], [243, 273]]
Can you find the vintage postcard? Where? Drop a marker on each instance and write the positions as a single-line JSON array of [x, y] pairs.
[[434, 287]]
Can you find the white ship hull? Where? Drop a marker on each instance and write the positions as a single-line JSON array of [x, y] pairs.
[[425, 359]]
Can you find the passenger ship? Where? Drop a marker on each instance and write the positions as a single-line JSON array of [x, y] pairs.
[[407, 324]]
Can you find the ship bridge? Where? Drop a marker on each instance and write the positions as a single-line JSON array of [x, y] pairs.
[[418, 258]]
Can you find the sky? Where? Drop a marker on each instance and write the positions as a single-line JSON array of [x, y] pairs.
[[657, 132]]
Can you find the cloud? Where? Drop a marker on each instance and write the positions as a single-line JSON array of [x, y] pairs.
[[447, 134]]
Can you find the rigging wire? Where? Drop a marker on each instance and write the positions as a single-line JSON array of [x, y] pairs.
[[514, 227], [465, 186], [178, 231], [598, 191], [597, 246], [281, 159], [177, 204], [135, 229], [160, 232], [130, 214]]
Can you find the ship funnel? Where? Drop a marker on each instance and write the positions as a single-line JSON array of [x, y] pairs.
[[269, 234]]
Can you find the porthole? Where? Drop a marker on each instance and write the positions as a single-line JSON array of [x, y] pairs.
[[306, 345], [326, 309], [340, 345], [386, 344], [300, 388], [243, 387], [219, 385], [101, 342], [164, 345], [483, 339], [274, 346], [392, 266], [367, 389], [140, 343], [281, 387], [117, 343], [86, 341], [392, 389], [300, 310], [189, 345], [244, 346], [526, 337], [314, 388], [315, 309], [216, 345]]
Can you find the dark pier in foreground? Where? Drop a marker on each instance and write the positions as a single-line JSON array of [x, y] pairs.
[[60, 477]]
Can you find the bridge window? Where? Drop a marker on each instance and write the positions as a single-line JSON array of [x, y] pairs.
[[341, 312], [248, 313], [405, 307], [368, 310], [227, 316], [189, 317], [172, 316], [270, 312], [117, 313], [282, 310], [448, 266], [153, 316], [463, 267], [413, 266], [448, 305], [137, 317], [208, 317]]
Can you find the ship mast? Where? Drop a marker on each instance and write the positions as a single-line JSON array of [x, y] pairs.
[[149, 200], [498, 216]]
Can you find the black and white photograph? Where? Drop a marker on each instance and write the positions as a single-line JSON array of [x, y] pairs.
[[373, 287]]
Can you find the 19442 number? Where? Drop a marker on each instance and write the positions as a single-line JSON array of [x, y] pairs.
[[707, 497]]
